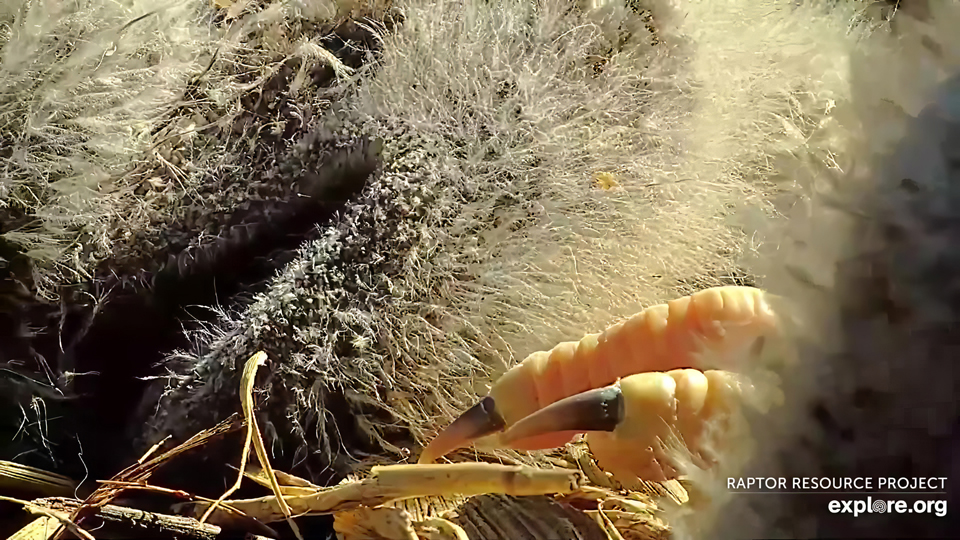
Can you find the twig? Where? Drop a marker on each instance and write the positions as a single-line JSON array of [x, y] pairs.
[[398, 482], [152, 523], [247, 397], [248, 523], [153, 449], [249, 370], [143, 486]]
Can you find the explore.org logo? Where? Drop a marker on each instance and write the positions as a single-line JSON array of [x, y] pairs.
[[877, 506]]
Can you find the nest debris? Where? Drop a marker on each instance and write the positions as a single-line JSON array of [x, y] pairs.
[[486, 501]]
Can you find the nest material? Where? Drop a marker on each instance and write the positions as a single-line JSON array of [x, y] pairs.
[[502, 517], [471, 500], [401, 502]]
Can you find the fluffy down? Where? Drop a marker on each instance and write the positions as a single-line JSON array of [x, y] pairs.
[[867, 258]]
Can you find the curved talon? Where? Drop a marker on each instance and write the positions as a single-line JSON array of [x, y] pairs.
[[657, 377], [480, 420], [601, 409]]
